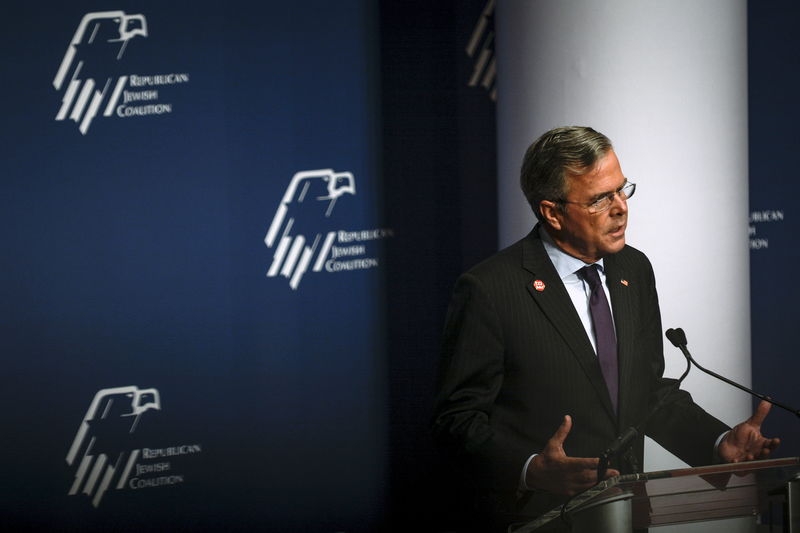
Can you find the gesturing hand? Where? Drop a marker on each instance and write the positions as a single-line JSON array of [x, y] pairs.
[[745, 441], [554, 472]]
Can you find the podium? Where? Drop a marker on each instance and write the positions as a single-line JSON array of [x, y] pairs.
[[624, 503]]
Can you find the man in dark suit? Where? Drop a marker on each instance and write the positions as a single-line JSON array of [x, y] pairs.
[[534, 382]]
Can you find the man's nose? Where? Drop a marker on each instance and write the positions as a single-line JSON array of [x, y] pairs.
[[619, 204]]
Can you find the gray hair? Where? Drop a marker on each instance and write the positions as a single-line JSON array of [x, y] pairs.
[[570, 149]]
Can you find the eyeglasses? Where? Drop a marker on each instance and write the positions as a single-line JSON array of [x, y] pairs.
[[604, 202]]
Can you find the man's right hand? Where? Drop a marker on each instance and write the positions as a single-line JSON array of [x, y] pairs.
[[554, 472]]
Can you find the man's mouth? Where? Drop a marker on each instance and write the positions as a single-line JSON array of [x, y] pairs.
[[618, 231]]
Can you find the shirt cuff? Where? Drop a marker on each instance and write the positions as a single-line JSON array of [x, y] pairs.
[[522, 484], [717, 458]]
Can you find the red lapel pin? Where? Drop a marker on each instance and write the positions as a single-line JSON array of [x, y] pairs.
[[538, 285]]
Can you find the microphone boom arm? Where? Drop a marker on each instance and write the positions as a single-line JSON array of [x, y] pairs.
[[678, 339]]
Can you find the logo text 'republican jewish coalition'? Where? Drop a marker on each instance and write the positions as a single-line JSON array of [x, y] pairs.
[[107, 454], [93, 79], [305, 237]]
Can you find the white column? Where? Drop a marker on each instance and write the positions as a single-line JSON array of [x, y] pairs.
[[667, 82]]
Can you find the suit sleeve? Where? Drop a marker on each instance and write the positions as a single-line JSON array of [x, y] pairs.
[[470, 378], [681, 426]]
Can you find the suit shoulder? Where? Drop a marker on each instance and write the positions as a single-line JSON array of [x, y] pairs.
[[633, 258]]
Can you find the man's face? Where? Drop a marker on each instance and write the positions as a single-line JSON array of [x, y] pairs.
[[591, 236]]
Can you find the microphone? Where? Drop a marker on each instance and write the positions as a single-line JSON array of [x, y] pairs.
[[678, 339], [621, 443], [624, 440]]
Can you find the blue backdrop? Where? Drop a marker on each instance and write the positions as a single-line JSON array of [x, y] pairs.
[[136, 257], [774, 49]]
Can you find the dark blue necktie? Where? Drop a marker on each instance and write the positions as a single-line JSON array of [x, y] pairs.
[[605, 337]]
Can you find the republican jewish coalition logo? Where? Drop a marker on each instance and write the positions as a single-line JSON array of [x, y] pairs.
[[92, 74], [481, 49], [301, 231], [106, 452]]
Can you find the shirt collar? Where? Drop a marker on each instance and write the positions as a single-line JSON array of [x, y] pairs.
[[565, 264]]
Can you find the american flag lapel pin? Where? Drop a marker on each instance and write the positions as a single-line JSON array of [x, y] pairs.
[[624, 282]]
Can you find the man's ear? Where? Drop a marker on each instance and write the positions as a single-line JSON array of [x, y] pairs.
[[551, 213]]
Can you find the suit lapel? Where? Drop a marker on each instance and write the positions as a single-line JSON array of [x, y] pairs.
[[555, 303]]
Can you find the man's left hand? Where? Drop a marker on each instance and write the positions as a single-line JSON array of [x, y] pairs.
[[745, 441]]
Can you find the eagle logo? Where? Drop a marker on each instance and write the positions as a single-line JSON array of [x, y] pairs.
[[106, 437], [305, 207], [96, 48]]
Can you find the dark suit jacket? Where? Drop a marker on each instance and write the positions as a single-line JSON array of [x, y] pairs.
[[516, 360]]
